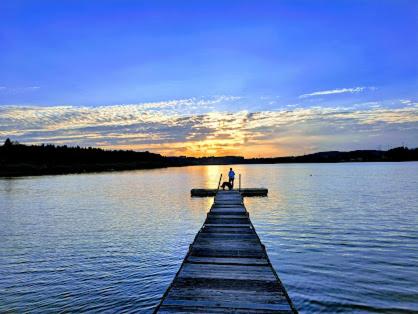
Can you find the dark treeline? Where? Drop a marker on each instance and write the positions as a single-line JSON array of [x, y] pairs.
[[395, 154], [18, 159], [12, 152]]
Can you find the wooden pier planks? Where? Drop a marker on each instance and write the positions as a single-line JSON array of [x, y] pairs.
[[226, 269], [248, 192]]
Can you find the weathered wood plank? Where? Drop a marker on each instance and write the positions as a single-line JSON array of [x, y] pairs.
[[228, 211], [197, 309], [234, 249], [226, 269], [227, 205], [229, 221], [203, 252], [226, 284], [231, 212], [227, 236], [228, 196], [262, 273], [228, 202], [228, 305], [232, 244], [190, 292], [227, 260], [222, 238], [228, 215], [227, 230], [247, 192], [226, 225]]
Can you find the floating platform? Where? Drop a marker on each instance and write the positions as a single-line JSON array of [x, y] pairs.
[[248, 192], [226, 269]]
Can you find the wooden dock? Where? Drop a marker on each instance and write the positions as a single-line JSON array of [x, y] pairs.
[[244, 192], [226, 269]]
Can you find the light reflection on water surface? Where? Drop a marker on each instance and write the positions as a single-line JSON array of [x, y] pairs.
[[343, 237]]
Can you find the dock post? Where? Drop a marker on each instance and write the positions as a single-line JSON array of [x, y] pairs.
[[239, 182], [219, 183]]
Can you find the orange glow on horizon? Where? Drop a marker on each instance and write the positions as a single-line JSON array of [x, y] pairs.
[[207, 149]]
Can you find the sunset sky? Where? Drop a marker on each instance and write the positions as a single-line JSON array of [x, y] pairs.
[[250, 78]]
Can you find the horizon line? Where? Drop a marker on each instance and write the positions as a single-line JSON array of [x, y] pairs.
[[207, 156]]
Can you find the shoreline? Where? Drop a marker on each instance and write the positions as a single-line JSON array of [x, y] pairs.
[[18, 160], [32, 170]]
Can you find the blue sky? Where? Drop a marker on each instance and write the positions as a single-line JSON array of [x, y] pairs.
[[212, 59]]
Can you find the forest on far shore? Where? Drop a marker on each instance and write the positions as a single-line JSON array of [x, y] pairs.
[[17, 159]]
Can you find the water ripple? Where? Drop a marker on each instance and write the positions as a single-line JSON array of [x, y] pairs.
[[343, 240]]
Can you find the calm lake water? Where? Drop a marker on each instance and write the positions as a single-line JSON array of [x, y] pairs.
[[342, 237]]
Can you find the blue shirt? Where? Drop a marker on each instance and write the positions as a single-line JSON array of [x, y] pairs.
[[231, 174]]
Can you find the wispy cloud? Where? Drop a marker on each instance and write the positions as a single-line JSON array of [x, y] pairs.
[[17, 90], [196, 127], [351, 90]]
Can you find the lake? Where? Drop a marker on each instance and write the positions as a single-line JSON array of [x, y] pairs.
[[342, 237]]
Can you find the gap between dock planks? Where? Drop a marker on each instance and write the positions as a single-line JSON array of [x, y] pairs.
[[226, 269]]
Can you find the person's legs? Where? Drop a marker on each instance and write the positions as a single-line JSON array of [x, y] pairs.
[[231, 181]]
